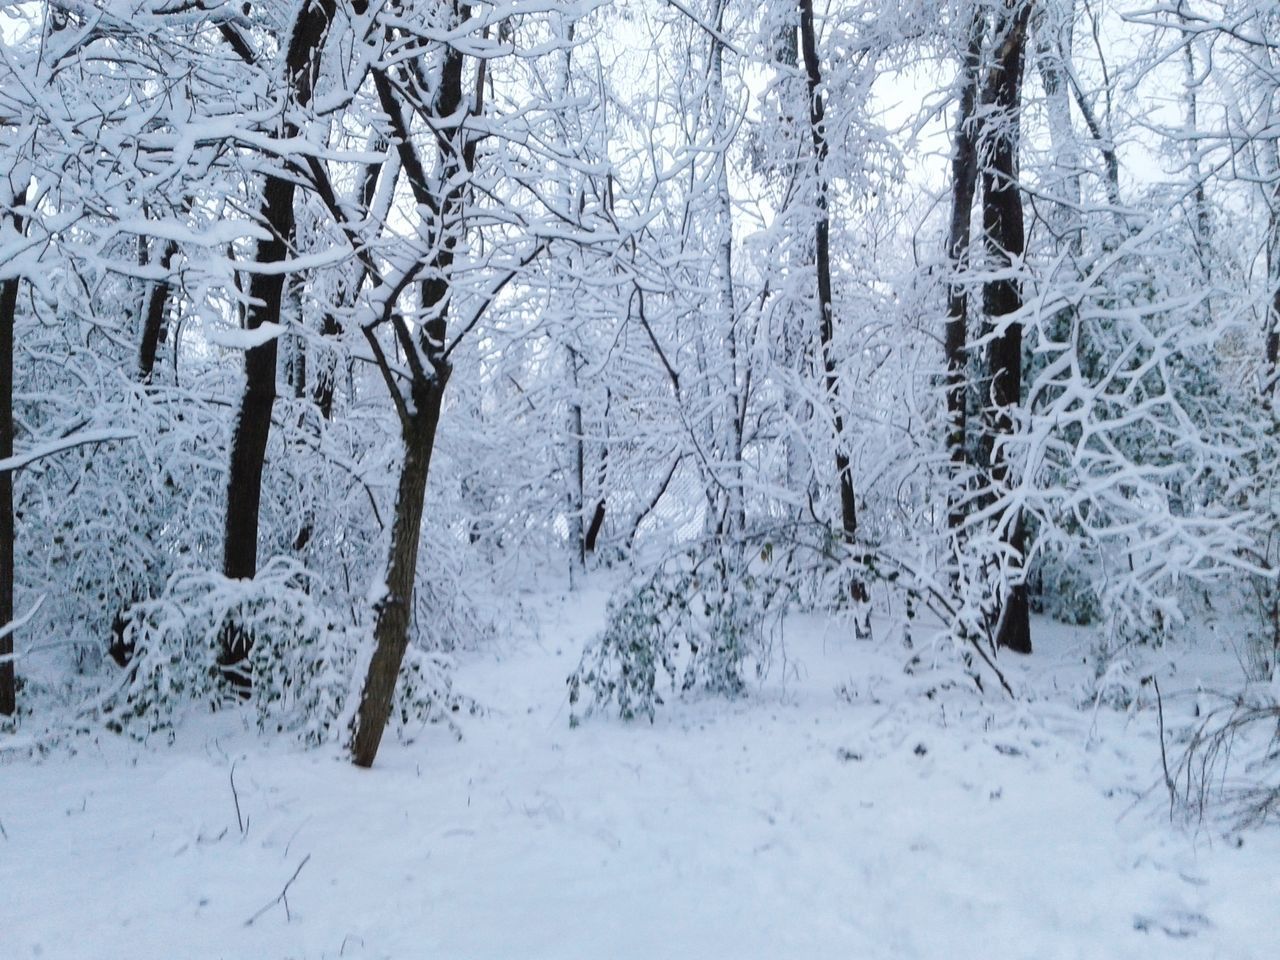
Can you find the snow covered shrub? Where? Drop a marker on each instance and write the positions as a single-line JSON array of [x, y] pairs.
[[1129, 447], [297, 661], [1230, 762], [102, 523], [301, 662], [702, 619], [1061, 585]]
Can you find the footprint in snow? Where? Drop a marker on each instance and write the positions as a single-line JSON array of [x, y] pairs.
[[1178, 924]]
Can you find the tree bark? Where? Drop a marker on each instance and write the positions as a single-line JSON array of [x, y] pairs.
[[395, 609], [1006, 243]]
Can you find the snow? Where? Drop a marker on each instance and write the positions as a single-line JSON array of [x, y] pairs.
[[42, 450], [839, 811], [245, 339]]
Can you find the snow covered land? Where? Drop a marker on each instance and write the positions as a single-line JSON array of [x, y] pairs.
[[845, 808], [639, 479]]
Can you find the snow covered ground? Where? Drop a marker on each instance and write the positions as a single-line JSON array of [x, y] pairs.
[[840, 811]]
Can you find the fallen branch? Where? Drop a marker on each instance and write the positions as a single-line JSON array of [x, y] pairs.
[[283, 896], [236, 796], [1164, 757]]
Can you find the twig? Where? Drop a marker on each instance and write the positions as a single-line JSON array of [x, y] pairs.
[[1164, 758], [236, 796], [283, 896], [3, 832], [14, 625]]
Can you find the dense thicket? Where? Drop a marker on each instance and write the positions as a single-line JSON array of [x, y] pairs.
[[323, 320]]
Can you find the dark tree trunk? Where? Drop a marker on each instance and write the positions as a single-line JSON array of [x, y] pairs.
[[822, 258], [1006, 243], [253, 420], [596, 527], [578, 481], [8, 315], [394, 611], [964, 179], [8, 310], [153, 314], [597, 524]]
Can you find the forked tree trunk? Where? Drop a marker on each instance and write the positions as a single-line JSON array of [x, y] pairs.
[[430, 371], [1006, 244], [395, 608]]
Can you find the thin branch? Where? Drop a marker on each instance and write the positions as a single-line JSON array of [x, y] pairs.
[[20, 460], [283, 896], [236, 796]]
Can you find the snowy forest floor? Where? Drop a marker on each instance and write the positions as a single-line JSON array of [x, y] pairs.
[[840, 810]]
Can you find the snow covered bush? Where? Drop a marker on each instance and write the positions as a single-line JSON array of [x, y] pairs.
[[705, 618], [302, 657], [1133, 447], [1230, 761]]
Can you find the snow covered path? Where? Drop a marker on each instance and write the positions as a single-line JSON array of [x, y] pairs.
[[799, 823]]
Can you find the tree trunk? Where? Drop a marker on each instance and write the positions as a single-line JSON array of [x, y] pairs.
[[253, 419], [577, 480], [822, 258], [1006, 243], [8, 311], [395, 608], [731, 440], [157, 304], [1053, 28], [8, 315], [964, 179], [596, 527], [430, 374], [1273, 277]]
